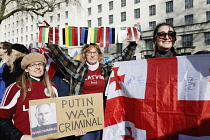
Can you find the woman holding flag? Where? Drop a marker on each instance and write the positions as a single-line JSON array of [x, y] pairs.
[[164, 37], [89, 74]]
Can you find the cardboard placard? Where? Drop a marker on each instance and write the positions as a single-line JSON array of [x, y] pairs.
[[63, 116]]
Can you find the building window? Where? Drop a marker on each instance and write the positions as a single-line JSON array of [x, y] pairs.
[[26, 37], [89, 1], [59, 6], [21, 30], [123, 3], [100, 8], [119, 48], [51, 19], [89, 23], [187, 40], [66, 14], [169, 6], [111, 5], [26, 28], [152, 25], [149, 44], [100, 21], [207, 38], [136, 1], [66, 24], [21, 39], [170, 21], [89, 11], [208, 16], [123, 16], [137, 13], [58, 15], [31, 27], [110, 19], [106, 49], [31, 36], [208, 1], [32, 18], [188, 19], [67, 3], [152, 10], [188, 4]]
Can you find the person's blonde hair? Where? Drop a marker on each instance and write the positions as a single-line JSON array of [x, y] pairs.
[[25, 77], [87, 48], [14, 56]]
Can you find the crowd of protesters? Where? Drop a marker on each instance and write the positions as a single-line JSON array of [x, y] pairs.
[[21, 72]]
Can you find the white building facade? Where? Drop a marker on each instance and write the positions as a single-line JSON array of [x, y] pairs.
[[189, 17]]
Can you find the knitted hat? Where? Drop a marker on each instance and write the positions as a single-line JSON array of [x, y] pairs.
[[20, 47], [31, 58]]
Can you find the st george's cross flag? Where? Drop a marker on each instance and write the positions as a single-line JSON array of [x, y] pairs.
[[159, 99]]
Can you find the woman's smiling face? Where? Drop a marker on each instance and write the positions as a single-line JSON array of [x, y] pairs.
[[35, 69], [164, 43]]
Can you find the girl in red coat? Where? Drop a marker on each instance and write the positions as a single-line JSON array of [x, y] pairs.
[[33, 84]]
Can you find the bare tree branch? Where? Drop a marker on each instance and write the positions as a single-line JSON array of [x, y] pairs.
[[38, 7]]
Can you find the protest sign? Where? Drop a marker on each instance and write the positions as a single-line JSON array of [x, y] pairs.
[[63, 116]]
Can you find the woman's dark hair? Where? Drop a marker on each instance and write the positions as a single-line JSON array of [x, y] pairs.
[[158, 26]]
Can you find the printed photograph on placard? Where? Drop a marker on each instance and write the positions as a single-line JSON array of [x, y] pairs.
[[43, 119]]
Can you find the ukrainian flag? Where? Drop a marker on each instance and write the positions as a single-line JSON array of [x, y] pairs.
[[76, 55]]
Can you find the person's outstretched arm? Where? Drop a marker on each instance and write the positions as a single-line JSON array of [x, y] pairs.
[[129, 51], [72, 67]]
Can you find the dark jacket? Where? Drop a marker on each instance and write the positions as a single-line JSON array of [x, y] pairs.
[[8, 130], [168, 53], [9, 77]]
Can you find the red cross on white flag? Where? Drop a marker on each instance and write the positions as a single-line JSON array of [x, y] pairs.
[[159, 99]]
